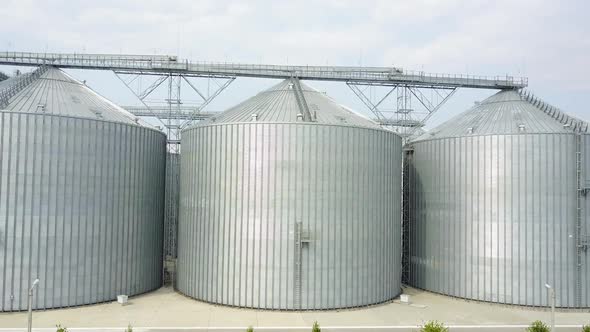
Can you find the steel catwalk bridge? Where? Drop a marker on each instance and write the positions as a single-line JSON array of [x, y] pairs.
[[413, 96], [416, 95], [158, 65]]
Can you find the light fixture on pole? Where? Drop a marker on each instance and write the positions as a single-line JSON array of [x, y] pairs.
[[30, 322], [552, 296]]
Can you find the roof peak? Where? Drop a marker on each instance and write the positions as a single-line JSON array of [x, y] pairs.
[[507, 112], [50, 90], [292, 101]]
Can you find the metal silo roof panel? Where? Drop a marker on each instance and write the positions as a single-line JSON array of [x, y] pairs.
[[55, 92], [279, 104], [506, 112]]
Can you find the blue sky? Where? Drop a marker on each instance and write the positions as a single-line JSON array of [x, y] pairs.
[[546, 41]]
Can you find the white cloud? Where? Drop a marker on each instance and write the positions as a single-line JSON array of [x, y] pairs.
[[534, 38], [543, 39]]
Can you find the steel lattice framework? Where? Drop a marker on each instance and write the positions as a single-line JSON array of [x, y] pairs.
[[415, 95], [406, 86]]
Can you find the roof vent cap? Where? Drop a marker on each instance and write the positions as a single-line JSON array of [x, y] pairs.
[[470, 130], [341, 119], [41, 108], [254, 117], [299, 117], [521, 127], [97, 113], [567, 125]]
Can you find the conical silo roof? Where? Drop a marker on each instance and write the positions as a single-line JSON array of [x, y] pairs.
[[507, 112], [51, 91], [282, 103]]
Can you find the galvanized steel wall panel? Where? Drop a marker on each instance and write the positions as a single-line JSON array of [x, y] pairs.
[[81, 208], [245, 185], [493, 218]]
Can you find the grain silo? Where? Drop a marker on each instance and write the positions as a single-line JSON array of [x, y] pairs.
[[498, 206], [290, 201], [81, 195]]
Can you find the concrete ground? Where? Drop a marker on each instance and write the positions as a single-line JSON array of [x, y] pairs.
[[166, 310]]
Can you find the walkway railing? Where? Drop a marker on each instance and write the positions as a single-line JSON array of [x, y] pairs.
[[159, 64]]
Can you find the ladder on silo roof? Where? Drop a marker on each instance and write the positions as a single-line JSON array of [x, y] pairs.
[[21, 83], [301, 102]]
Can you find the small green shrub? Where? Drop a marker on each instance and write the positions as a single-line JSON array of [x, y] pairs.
[[586, 328], [250, 329], [129, 328], [434, 326], [538, 326], [316, 327], [60, 328]]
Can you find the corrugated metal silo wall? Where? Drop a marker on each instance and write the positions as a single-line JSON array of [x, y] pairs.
[[493, 218], [81, 208], [245, 188]]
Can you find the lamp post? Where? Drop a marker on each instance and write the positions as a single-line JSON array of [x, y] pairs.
[[552, 296], [30, 322]]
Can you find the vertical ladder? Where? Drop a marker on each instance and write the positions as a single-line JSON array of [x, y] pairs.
[[580, 247], [297, 271], [406, 215], [172, 192]]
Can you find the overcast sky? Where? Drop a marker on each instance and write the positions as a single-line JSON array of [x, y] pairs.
[[546, 41]]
